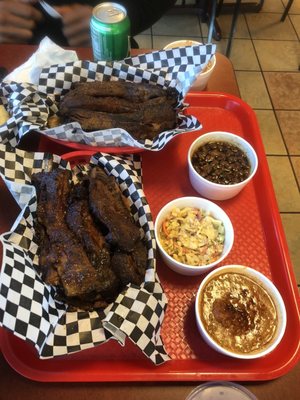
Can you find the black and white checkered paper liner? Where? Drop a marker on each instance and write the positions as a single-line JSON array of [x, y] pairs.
[[30, 106], [28, 306]]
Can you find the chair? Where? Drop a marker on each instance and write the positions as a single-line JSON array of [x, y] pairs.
[[206, 10], [285, 13], [237, 5], [235, 14], [287, 9], [210, 9]]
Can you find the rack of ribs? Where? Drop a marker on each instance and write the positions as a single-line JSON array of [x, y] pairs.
[[89, 245], [142, 109], [107, 204], [63, 261]]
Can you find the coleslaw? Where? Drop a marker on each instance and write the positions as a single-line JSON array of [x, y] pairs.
[[192, 236]]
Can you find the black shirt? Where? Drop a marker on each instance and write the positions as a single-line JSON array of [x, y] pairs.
[[142, 15]]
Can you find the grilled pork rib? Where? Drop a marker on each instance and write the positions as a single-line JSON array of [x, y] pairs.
[[65, 260], [107, 204], [76, 256], [142, 109], [130, 267], [81, 223]]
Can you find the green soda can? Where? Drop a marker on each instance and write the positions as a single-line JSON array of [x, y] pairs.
[[110, 30]]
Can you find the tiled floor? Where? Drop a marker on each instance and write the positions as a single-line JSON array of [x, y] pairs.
[[266, 57]]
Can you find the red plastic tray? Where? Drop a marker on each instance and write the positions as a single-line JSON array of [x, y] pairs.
[[259, 243]]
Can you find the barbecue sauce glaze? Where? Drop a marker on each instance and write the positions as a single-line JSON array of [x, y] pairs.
[[238, 313]]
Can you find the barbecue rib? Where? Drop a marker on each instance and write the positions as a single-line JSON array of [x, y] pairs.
[[76, 256], [144, 123], [130, 267], [134, 92], [107, 204], [144, 110], [62, 258], [82, 225]]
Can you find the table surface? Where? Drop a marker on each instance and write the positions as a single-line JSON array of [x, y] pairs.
[[14, 386], [12, 56]]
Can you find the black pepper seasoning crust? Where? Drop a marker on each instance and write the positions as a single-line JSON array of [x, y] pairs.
[[221, 162]]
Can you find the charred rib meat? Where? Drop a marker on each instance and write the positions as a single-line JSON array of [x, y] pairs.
[[82, 225], [75, 256], [130, 266], [144, 110], [107, 204], [134, 92], [64, 260]]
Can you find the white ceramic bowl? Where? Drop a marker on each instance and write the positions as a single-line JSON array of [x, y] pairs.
[[269, 287], [215, 191], [203, 77], [215, 212], [205, 74], [182, 43]]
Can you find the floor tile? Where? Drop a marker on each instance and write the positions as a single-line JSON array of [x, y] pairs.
[[204, 29], [284, 89], [289, 122], [159, 42], [270, 132], [144, 41], [243, 55], [185, 25], [253, 89], [295, 9], [272, 6], [285, 185], [221, 45], [268, 26], [291, 226], [278, 55], [296, 166], [146, 32], [241, 29], [264, 56], [295, 19]]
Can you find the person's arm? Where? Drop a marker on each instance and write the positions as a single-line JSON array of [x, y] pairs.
[[76, 23], [18, 19], [76, 17]]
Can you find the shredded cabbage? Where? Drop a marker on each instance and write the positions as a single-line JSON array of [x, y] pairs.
[[192, 236]]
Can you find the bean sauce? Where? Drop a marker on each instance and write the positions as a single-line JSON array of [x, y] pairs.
[[221, 162], [238, 313]]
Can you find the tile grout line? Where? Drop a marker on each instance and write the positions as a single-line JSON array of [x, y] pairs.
[[264, 73], [273, 108], [288, 156]]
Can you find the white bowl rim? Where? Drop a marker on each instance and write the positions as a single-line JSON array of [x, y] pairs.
[[178, 43], [271, 289], [186, 266], [211, 385], [228, 134]]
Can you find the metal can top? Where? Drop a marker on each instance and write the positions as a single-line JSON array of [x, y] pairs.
[[109, 12]]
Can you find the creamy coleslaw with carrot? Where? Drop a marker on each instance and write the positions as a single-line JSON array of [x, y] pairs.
[[192, 236]]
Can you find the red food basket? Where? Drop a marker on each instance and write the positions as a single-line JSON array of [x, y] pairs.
[[259, 243]]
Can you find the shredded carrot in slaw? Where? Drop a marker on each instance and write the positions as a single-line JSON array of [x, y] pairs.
[[192, 236]]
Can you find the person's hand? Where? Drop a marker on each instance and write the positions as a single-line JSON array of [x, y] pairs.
[[17, 20], [76, 24]]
